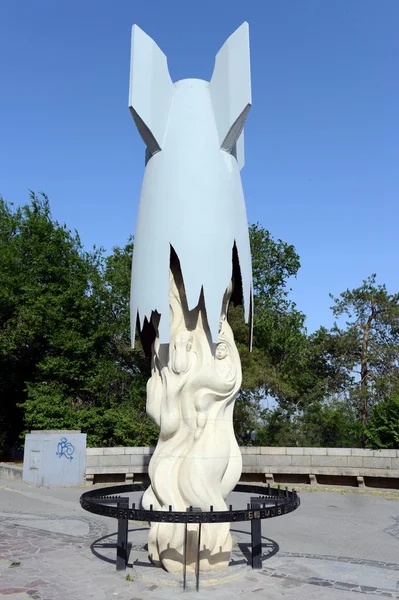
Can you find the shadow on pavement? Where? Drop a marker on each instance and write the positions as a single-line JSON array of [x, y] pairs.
[[269, 548], [102, 544]]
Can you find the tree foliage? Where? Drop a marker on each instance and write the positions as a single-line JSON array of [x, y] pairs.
[[383, 426], [365, 349], [66, 361]]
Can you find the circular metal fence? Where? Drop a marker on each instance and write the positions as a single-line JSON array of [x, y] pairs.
[[275, 502], [270, 502]]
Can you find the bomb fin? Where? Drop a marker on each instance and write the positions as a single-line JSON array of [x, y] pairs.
[[150, 91], [230, 89]]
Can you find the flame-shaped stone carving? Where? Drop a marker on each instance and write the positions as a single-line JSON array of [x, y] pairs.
[[197, 461]]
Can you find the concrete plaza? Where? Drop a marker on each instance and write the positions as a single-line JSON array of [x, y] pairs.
[[338, 544]]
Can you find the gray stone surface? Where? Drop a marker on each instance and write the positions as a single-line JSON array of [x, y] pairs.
[[355, 461], [384, 453], [272, 450], [92, 461], [329, 461], [336, 546], [379, 463], [273, 460], [106, 470], [295, 451], [10, 471], [361, 452], [112, 451], [347, 462], [117, 459], [316, 451], [134, 450], [300, 461], [338, 451]]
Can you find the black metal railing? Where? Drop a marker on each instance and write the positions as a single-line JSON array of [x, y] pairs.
[[109, 503]]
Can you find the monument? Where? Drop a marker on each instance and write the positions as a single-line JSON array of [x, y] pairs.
[[191, 259]]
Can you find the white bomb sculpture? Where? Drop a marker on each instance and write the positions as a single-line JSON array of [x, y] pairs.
[[191, 259]]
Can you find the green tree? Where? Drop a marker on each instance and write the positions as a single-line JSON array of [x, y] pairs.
[[110, 405], [287, 365], [273, 263], [382, 429], [65, 358], [278, 337], [367, 348], [45, 280]]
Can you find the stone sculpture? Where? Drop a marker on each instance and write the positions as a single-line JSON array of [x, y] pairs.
[[191, 258]]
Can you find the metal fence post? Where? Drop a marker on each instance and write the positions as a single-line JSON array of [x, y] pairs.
[[185, 556], [197, 562], [256, 534], [122, 541]]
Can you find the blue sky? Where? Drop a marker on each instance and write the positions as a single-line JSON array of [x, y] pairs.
[[322, 137]]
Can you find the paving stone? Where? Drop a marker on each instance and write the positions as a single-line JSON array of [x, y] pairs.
[[54, 548]]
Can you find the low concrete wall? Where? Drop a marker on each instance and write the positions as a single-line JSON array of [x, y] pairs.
[[129, 461], [352, 466], [10, 471]]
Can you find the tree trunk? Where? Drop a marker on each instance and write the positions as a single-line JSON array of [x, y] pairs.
[[364, 372]]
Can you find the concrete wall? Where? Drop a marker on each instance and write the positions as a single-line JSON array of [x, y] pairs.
[[119, 461], [308, 465], [10, 471]]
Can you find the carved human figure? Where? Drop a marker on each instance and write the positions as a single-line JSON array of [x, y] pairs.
[[223, 365], [182, 346]]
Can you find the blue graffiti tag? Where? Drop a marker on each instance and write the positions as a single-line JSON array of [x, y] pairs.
[[65, 448]]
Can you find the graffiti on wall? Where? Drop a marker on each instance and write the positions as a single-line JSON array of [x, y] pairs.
[[65, 448]]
